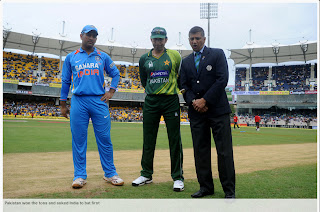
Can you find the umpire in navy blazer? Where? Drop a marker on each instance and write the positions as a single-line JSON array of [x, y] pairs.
[[204, 76]]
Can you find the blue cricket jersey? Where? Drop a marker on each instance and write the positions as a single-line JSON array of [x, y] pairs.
[[85, 73]]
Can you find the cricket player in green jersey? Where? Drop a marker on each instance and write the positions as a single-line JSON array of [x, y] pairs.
[[159, 72]]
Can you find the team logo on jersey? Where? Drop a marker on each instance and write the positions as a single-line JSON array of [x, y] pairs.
[[88, 72], [150, 64], [87, 69], [163, 73], [97, 58], [209, 68], [167, 62], [88, 65]]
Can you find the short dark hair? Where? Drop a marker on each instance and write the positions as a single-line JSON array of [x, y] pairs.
[[195, 30]]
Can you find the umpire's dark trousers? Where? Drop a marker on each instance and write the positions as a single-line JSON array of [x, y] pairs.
[[201, 136], [154, 107]]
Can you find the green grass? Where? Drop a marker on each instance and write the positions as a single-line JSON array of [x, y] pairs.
[[290, 182], [42, 136], [249, 136]]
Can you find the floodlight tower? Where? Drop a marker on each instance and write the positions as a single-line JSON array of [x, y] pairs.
[[35, 39], [63, 25], [179, 45], [134, 51], [208, 11], [61, 42], [111, 41], [276, 50], [250, 51], [6, 32], [304, 48]]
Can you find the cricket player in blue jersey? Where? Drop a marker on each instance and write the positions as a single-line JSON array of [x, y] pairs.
[[83, 69]]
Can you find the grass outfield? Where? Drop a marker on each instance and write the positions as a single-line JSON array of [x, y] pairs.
[[23, 136], [295, 178], [290, 182]]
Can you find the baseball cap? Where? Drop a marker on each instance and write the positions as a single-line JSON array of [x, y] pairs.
[[89, 28], [158, 32]]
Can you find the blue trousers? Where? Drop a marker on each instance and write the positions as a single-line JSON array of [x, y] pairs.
[[83, 108]]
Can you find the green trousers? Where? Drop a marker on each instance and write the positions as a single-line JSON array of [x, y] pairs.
[[154, 107]]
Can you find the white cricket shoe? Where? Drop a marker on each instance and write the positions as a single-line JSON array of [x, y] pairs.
[[78, 183], [141, 181], [178, 185], [114, 180]]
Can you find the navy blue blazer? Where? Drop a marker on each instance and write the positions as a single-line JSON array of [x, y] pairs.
[[208, 83]]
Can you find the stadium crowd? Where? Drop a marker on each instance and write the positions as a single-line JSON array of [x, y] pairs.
[[26, 108], [50, 68], [117, 113], [25, 68], [19, 67], [126, 114], [31, 69], [291, 77], [287, 78], [130, 77], [290, 120], [134, 114]]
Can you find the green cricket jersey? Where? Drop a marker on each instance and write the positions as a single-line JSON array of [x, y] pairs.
[[160, 75]]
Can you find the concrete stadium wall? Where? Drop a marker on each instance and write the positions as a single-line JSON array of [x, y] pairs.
[[55, 92], [36, 90], [303, 101], [10, 88]]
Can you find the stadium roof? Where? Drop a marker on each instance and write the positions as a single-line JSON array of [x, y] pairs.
[[253, 53], [37, 44]]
